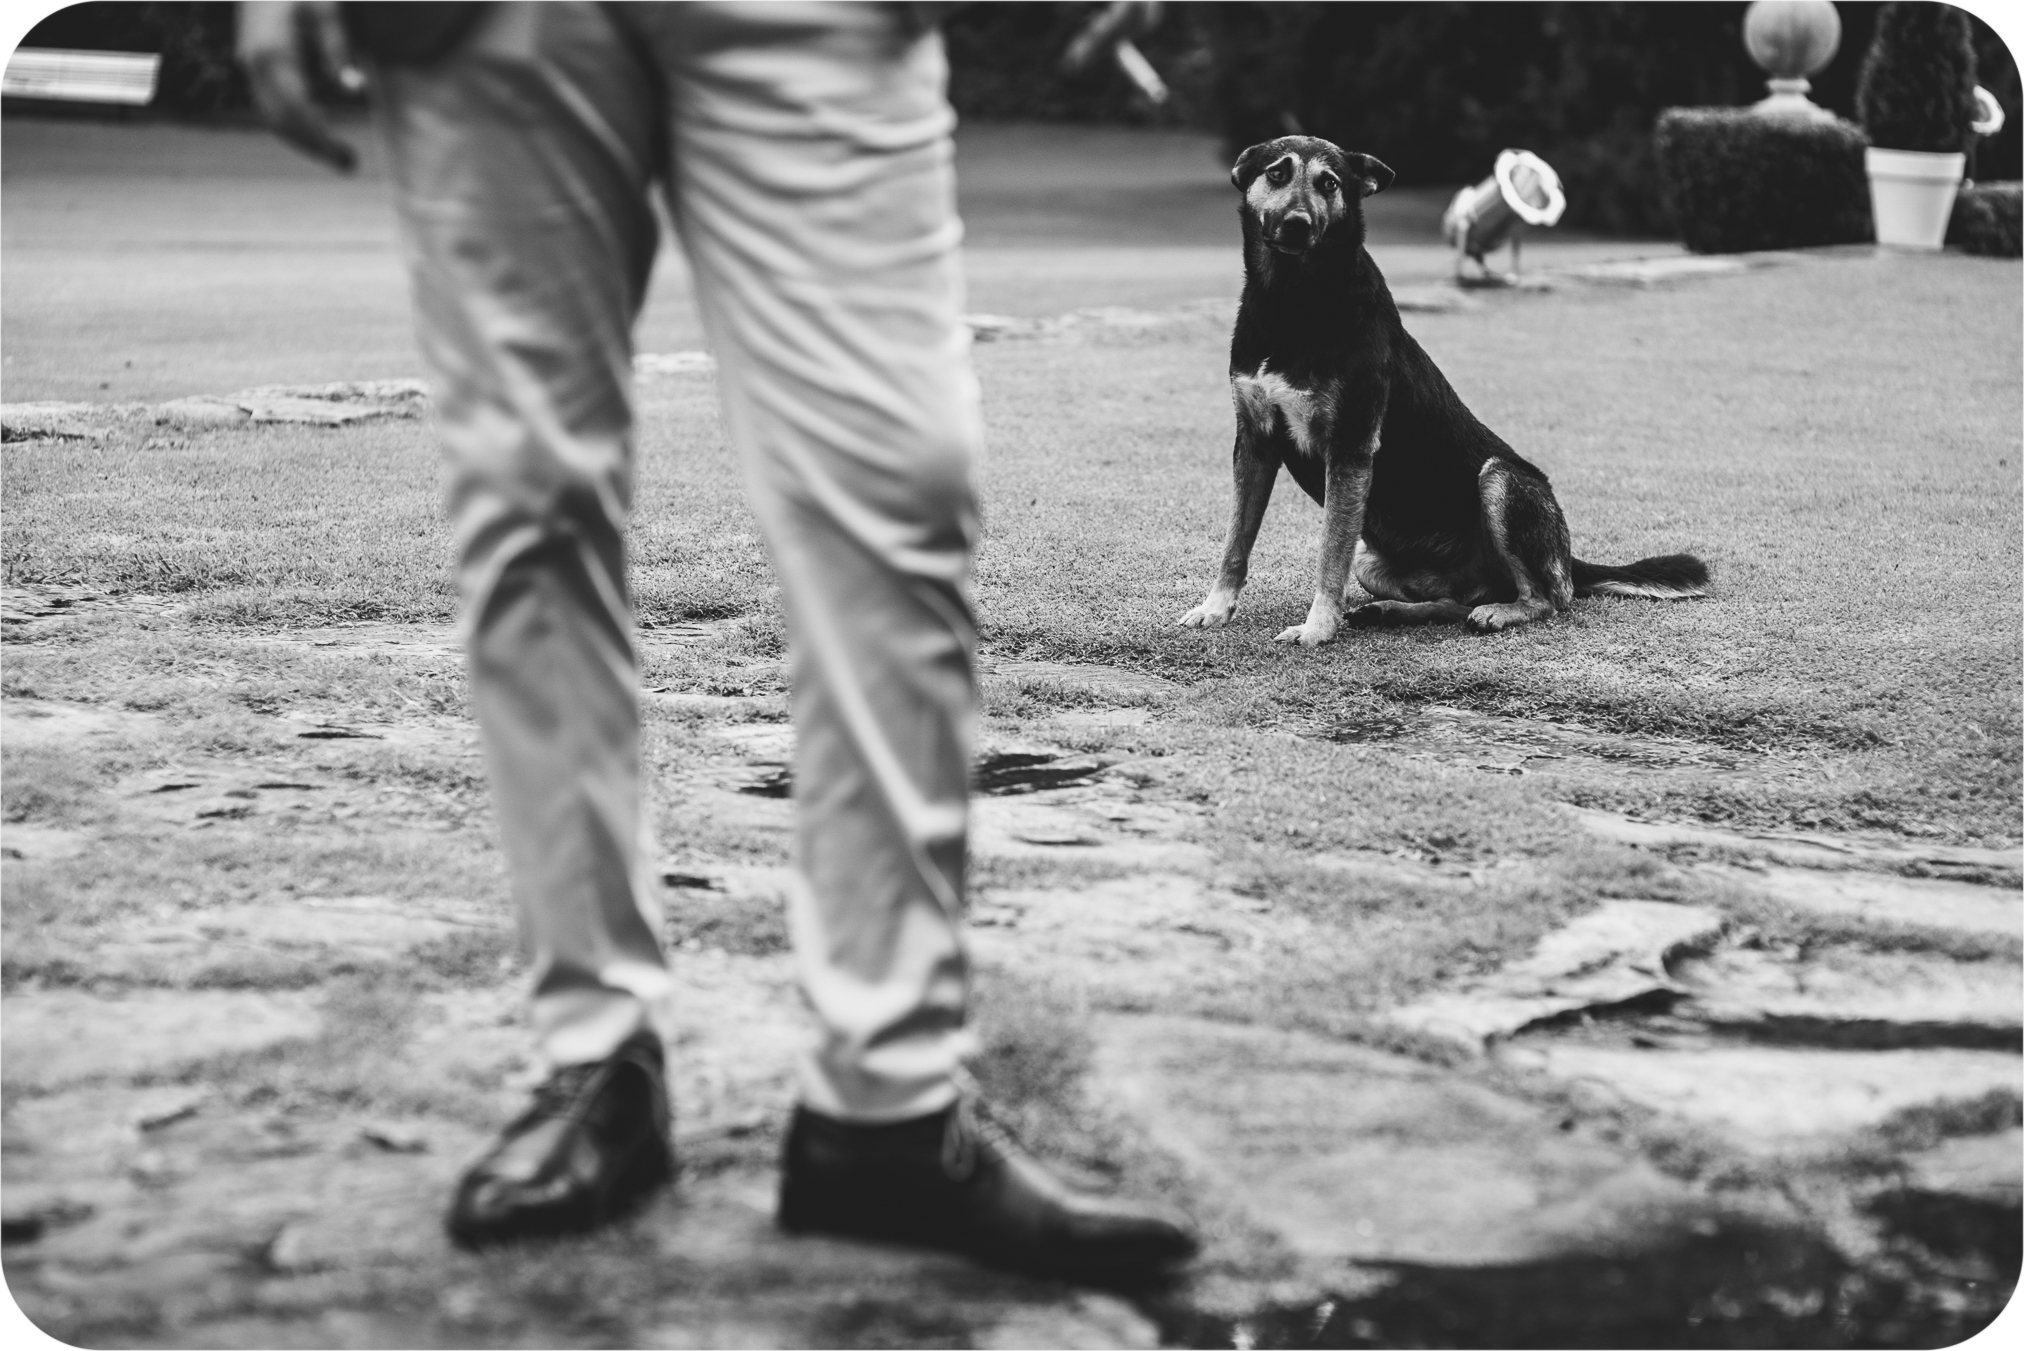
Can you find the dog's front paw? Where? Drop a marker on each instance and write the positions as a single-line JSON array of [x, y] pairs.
[[1214, 612], [1376, 615], [1497, 618], [1309, 634]]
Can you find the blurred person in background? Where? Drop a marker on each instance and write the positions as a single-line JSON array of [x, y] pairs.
[[805, 156]]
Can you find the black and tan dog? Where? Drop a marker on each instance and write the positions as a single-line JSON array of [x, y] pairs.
[[1439, 519]]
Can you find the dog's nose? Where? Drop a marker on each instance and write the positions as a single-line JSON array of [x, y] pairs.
[[1294, 229]]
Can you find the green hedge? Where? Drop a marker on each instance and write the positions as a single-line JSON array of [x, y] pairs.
[[1989, 218], [1736, 181]]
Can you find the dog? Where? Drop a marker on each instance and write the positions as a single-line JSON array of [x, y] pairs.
[[1436, 517]]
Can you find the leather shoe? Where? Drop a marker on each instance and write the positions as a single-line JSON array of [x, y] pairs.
[[590, 1148], [959, 1182]]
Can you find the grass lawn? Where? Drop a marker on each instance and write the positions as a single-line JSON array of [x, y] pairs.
[[1838, 436], [1858, 504]]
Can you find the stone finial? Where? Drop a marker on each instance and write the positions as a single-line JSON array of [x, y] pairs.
[[1791, 39]]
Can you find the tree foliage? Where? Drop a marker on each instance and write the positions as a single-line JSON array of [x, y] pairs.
[[1917, 90]]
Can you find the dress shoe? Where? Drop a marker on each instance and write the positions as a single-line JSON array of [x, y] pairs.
[[957, 1181], [591, 1147]]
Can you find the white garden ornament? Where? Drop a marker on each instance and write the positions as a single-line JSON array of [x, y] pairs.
[[1521, 192]]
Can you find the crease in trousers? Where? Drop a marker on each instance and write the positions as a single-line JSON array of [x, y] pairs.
[[804, 152]]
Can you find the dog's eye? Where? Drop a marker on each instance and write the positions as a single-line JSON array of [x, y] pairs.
[[1277, 175], [1327, 186]]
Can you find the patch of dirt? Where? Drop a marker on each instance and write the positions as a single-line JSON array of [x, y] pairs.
[[1095, 824], [1519, 746], [648, 365], [1129, 937], [1096, 682], [31, 840], [57, 1038], [318, 785], [396, 640], [53, 722], [175, 946], [1001, 327], [446, 640]]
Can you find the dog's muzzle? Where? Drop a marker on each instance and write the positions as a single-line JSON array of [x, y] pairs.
[[1294, 233]]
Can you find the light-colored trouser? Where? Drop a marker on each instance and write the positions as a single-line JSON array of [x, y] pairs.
[[806, 151]]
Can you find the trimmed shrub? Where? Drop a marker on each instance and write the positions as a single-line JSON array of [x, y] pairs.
[[1917, 88], [1988, 218], [1735, 181], [1436, 90]]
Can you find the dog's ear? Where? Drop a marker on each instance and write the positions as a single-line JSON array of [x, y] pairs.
[[1370, 174], [1248, 166]]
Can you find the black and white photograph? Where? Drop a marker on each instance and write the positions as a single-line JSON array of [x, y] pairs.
[[659, 686]]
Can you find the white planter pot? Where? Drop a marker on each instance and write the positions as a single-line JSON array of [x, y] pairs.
[[1911, 193]]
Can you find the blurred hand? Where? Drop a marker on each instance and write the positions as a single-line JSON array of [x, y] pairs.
[[281, 44], [1119, 20]]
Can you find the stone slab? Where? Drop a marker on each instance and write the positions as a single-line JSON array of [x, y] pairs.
[[1356, 1155], [1912, 991], [335, 404], [1772, 1099], [1986, 1168], [1102, 720], [1797, 849], [72, 421], [202, 410], [1616, 953], [1929, 902], [1646, 272]]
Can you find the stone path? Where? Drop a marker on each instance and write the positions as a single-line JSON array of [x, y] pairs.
[[1665, 1116]]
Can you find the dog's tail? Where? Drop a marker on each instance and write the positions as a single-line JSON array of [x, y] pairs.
[[1671, 577]]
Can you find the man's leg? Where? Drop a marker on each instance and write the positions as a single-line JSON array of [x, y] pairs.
[[521, 166], [813, 185]]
